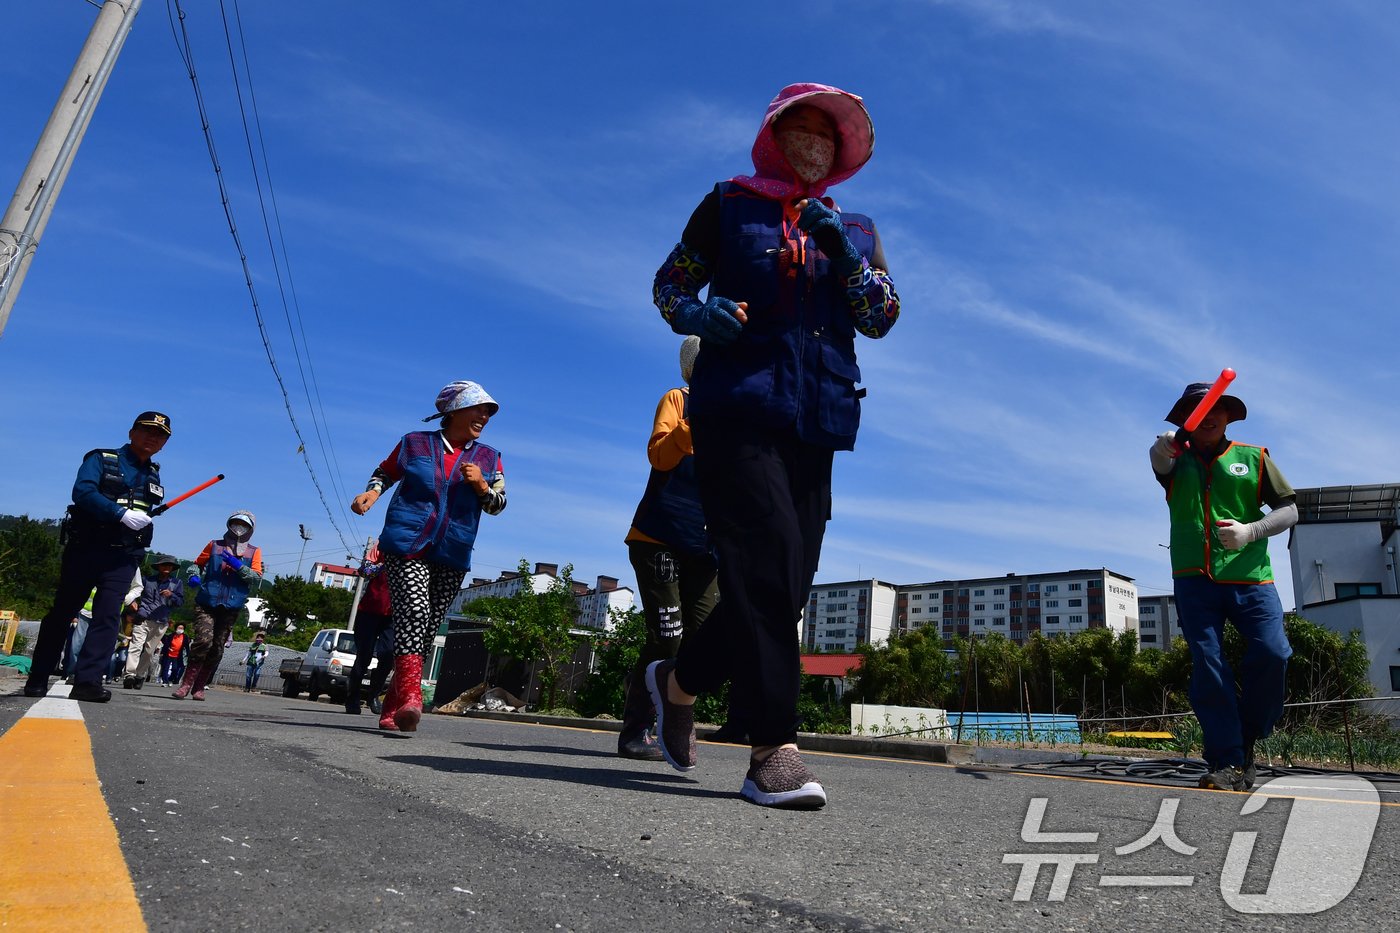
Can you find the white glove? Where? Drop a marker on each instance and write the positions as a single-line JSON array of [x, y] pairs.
[[1234, 535], [135, 520], [1164, 451]]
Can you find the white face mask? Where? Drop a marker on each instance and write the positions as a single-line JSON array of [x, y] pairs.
[[810, 155]]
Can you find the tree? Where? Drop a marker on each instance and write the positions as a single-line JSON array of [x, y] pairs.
[[910, 670], [290, 602], [533, 627], [618, 650], [29, 564]]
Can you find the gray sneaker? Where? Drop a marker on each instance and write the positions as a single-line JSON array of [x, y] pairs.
[[783, 780], [643, 747], [675, 723], [1229, 777]]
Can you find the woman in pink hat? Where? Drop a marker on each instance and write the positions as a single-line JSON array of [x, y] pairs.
[[446, 479], [792, 279]]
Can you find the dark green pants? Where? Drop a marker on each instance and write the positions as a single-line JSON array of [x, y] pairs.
[[677, 591]]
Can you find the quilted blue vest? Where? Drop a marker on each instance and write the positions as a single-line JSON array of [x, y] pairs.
[[223, 586], [434, 515]]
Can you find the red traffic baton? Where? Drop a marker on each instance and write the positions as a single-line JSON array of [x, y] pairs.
[[185, 495], [1203, 407]]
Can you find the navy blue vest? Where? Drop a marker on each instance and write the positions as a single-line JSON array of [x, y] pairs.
[[432, 514], [83, 528], [670, 508], [794, 365]]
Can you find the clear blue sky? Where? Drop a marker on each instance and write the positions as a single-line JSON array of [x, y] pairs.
[[1085, 207]]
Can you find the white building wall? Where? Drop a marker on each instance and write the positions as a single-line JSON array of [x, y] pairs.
[[881, 616], [1324, 554], [1377, 618]]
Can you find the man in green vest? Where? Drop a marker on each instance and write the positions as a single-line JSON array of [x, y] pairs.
[[1216, 489]]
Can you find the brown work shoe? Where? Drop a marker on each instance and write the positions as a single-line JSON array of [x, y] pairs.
[[675, 723], [783, 780]]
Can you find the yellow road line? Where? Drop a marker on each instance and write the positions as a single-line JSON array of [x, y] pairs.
[[61, 864]]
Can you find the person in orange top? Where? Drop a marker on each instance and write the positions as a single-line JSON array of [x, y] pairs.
[[676, 573], [231, 567]]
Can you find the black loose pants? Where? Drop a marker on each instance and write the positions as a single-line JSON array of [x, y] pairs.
[[767, 499]]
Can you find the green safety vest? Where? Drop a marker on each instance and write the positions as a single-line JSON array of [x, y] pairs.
[[1201, 494]]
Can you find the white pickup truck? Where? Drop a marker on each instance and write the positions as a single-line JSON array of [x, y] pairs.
[[325, 668]]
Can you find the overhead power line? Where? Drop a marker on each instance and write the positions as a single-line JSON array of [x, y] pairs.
[[185, 48]]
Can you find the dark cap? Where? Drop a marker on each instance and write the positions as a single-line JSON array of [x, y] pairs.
[[161, 559], [152, 419], [1192, 396]]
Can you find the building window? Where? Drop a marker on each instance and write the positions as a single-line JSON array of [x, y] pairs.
[[914, 611], [918, 595], [999, 620], [1149, 639], [1395, 678], [1075, 602], [1015, 604], [979, 592], [1149, 610], [979, 607], [1148, 623], [1052, 604], [1347, 590], [1076, 620], [1052, 620], [1033, 603], [999, 591], [962, 591], [1032, 587], [1076, 586]]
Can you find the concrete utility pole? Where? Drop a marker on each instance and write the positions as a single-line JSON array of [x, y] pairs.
[[29, 210]]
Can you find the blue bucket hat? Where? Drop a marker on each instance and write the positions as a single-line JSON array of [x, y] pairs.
[[462, 394]]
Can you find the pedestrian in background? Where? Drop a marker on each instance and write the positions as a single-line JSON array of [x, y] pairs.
[[172, 657], [792, 279], [161, 592], [229, 567], [105, 535], [253, 662], [676, 574], [446, 479], [1216, 490], [374, 639]]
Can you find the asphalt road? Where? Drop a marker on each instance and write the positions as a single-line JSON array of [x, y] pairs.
[[257, 812]]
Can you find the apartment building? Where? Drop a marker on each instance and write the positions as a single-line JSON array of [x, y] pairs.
[[1057, 602], [595, 603], [840, 616], [1157, 623]]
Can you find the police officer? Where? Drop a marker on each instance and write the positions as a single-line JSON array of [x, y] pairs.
[[106, 534]]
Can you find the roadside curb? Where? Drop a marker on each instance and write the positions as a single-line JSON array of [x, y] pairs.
[[910, 749]]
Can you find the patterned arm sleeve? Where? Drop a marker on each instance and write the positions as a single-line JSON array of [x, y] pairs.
[[678, 282], [493, 500], [387, 473], [873, 300]]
